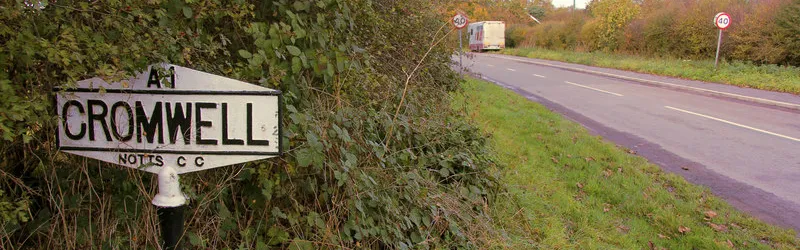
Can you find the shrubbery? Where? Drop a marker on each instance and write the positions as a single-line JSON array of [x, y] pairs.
[[764, 32], [375, 156]]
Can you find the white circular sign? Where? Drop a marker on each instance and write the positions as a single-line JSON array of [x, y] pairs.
[[460, 21], [722, 20]]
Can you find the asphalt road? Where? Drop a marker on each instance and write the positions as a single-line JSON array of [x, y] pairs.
[[747, 153]]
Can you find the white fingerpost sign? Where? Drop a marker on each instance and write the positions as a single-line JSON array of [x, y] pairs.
[[169, 116], [722, 20]]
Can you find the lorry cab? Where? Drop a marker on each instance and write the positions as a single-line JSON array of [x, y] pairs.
[[487, 35]]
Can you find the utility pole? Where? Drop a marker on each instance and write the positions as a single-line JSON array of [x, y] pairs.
[[573, 8]]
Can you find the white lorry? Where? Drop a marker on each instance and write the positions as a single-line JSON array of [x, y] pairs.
[[487, 35]]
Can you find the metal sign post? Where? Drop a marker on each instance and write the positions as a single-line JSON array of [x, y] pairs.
[[719, 43], [460, 50], [722, 20], [460, 21], [169, 120]]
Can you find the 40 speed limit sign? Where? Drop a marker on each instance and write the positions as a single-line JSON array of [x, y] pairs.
[[460, 21], [722, 20]]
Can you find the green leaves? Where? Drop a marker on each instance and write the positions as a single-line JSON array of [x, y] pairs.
[[245, 54], [187, 12], [195, 240], [293, 50], [298, 244]]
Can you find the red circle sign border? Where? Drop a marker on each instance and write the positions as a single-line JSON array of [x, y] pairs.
[[452, 20], [717, 17]]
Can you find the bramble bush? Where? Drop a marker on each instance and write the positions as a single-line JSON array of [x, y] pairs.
[[374, 157]]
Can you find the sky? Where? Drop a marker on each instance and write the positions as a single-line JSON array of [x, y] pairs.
[[580, 4]]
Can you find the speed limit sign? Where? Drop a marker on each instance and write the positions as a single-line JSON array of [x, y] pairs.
[[722, 20], [460, 21]]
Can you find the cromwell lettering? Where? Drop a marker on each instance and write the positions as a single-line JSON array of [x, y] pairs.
[[149, 125], [250, 140], [225, 139], [201, 123], [179, 119], [115, 126], [101, 117], [64, 111]]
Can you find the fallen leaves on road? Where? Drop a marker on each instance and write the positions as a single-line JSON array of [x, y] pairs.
[[685, 168]]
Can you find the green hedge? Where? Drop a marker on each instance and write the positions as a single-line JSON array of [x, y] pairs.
[[347, 70]]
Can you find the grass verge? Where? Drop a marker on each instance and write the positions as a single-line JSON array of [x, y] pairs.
[[766, 77], [569, 189]]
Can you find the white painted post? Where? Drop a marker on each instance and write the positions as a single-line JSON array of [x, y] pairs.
[[169, 189], [170, 203]]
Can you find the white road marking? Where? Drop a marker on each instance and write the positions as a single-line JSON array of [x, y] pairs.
[[510, 69], [582, 86], [738, 96], [490, 65], [735, 124], [538, 75]]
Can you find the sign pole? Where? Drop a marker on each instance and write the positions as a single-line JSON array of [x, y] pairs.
[[460, 52], [460, 21], [719, 42], [722, 20], [170, 204]]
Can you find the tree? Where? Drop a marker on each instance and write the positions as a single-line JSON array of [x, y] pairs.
[[537, 12], [613, 16], [788, 21], [540, 8]]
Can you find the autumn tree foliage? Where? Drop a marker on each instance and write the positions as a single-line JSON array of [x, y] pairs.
[[763, 31], [511, 12]]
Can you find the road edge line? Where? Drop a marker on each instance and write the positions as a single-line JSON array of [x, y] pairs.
[[667, 85]]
